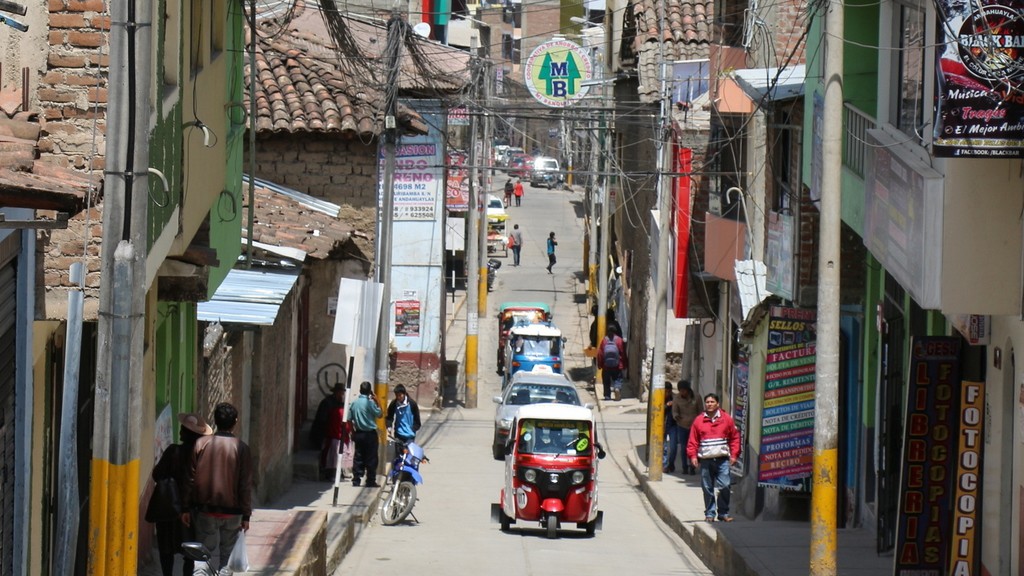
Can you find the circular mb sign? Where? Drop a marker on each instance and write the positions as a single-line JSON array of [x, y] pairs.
[[555, 72]]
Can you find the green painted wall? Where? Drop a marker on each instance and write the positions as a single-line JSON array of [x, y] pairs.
[[165, 147], [227, 214], [176, 350]]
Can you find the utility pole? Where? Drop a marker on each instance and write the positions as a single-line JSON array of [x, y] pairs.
[[472, 259], [396, 37], [824, 486], [656, 401], [484, 87], [117, 420]]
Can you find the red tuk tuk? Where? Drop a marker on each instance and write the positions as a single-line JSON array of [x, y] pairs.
[[551, 470]]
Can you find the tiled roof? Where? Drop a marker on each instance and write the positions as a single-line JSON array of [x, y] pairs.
[[301, 89], [285, 217], [430, 69], [25, 181], [307, 84], [687, 36]]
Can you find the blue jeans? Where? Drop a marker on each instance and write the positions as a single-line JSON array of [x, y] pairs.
[[714, 473], [672, 446]]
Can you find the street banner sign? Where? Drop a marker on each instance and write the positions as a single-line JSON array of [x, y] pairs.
[[555, 72]]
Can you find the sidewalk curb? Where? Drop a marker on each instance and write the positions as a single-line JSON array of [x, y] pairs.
[[709, 544], [343, 528]]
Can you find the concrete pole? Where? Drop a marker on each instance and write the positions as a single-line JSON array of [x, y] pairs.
[[656, 406], [472, 262], [484, 188], [604, 247], [824, 488], [396, 35], [117, 419]]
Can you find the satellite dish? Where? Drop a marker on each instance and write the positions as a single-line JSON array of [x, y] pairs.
[[422, 29]]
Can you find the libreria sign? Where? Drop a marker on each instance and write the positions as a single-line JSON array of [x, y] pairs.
[[555, 72]]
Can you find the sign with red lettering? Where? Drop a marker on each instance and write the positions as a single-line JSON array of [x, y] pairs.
[[787, 419], [980, 111], [964, 553], [929, 449]]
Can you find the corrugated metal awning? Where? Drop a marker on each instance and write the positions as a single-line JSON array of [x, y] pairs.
[[772, 83], [249, 297]]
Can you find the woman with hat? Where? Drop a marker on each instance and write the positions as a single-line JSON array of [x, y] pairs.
[[174, 463]]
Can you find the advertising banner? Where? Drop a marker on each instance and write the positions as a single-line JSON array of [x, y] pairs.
[[929, 457], [980, 111], [739, 405], [457, 187], [964, 553], [407, 318], [787, 420], [418, 178]]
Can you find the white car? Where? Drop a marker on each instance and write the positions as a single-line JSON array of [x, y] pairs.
[[495, 209], [540, 386]]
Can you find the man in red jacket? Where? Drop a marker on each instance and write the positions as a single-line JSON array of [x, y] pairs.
[[714, 445]]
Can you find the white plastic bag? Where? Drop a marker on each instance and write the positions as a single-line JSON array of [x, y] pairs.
[[239, 559]]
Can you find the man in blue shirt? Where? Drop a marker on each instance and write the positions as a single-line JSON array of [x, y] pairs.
[[363, 414], [403, 418]]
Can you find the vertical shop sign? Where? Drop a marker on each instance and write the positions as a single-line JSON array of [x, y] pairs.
[[739, 403], [964, 553], [681, 285], [787, 424], [929, 450]]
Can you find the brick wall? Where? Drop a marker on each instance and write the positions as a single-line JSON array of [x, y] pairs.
[[272, 396], [57, 250], [338, 169], [788, 20], [72, 93]]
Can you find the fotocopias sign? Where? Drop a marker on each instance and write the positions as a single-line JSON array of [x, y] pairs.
[[555, 72]]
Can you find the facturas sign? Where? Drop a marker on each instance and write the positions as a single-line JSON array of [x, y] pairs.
[[555, 72], [980, 112]]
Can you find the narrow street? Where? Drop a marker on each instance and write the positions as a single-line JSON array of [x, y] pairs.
[[454, 535]]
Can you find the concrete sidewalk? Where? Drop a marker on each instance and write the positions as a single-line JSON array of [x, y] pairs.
[[744, 547]]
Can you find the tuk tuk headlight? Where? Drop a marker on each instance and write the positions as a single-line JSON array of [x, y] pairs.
[[578, 477], [505, 424], [530, 475]]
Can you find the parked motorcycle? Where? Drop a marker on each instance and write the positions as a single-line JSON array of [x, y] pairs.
[[400, 492], [492, 268], [198, 554]]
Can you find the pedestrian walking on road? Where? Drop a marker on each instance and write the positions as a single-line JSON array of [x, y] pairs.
[[714, 445], [551, 251], [219, 488], [685, 410], [611, 357], [518, 190], [363, 415], [516, 238], [174, 464], [509, 188]]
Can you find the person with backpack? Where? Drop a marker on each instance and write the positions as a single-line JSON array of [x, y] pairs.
[[509, 187], [611, 357]]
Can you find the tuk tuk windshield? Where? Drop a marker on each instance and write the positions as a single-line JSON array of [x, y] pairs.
[[567, 437], [536, 346]]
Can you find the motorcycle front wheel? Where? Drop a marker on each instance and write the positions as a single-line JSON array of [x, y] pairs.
[[399, 503]]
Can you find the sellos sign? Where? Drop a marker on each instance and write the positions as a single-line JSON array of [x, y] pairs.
[[980, 111]]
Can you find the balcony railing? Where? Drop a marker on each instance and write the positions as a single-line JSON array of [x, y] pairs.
[[855, 132]]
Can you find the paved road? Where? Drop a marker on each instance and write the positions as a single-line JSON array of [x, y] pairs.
[[454, 535]]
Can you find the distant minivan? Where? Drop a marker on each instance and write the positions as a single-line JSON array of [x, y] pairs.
[[546, 172]]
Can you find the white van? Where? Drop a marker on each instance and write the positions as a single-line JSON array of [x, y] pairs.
[[546, 172]]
